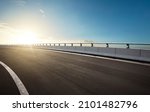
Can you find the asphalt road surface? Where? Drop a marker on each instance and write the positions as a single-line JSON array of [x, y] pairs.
[[52, 73]]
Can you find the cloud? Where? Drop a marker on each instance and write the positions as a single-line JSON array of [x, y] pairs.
[[7, 33], [5, 27], [21, 2], [42, 12]]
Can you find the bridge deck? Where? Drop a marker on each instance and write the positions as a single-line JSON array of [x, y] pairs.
[[47, 72]]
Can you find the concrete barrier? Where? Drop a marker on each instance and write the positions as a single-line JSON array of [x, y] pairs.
[[128, 52], [124, 53], [145, 53], [107, 51]]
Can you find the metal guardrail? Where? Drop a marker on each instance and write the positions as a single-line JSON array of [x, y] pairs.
[[132, 51], [107, 45], [104, 45]]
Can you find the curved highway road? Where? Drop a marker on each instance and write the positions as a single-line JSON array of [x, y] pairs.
[[51, 73]]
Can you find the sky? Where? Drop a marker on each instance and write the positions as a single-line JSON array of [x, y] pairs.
[[31, 21]]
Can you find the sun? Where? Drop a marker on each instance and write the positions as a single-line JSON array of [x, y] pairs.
[[25, 37]]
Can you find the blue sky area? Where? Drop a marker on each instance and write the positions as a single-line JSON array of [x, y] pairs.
[[77, 20]]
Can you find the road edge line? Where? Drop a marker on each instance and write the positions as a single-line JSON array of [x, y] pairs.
[[18, 82]]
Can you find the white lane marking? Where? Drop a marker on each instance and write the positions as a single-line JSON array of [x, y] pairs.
[[107, 58], [20, 85]]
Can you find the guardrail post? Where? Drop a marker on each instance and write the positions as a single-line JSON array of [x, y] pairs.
[[128, 46], [72, 44], [107, 45], [91, 44], [80, 44]]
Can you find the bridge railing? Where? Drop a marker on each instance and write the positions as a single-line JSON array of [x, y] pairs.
[[132, 51], [107, 45]]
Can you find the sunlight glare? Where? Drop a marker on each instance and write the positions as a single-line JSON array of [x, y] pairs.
[[26, 37]]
